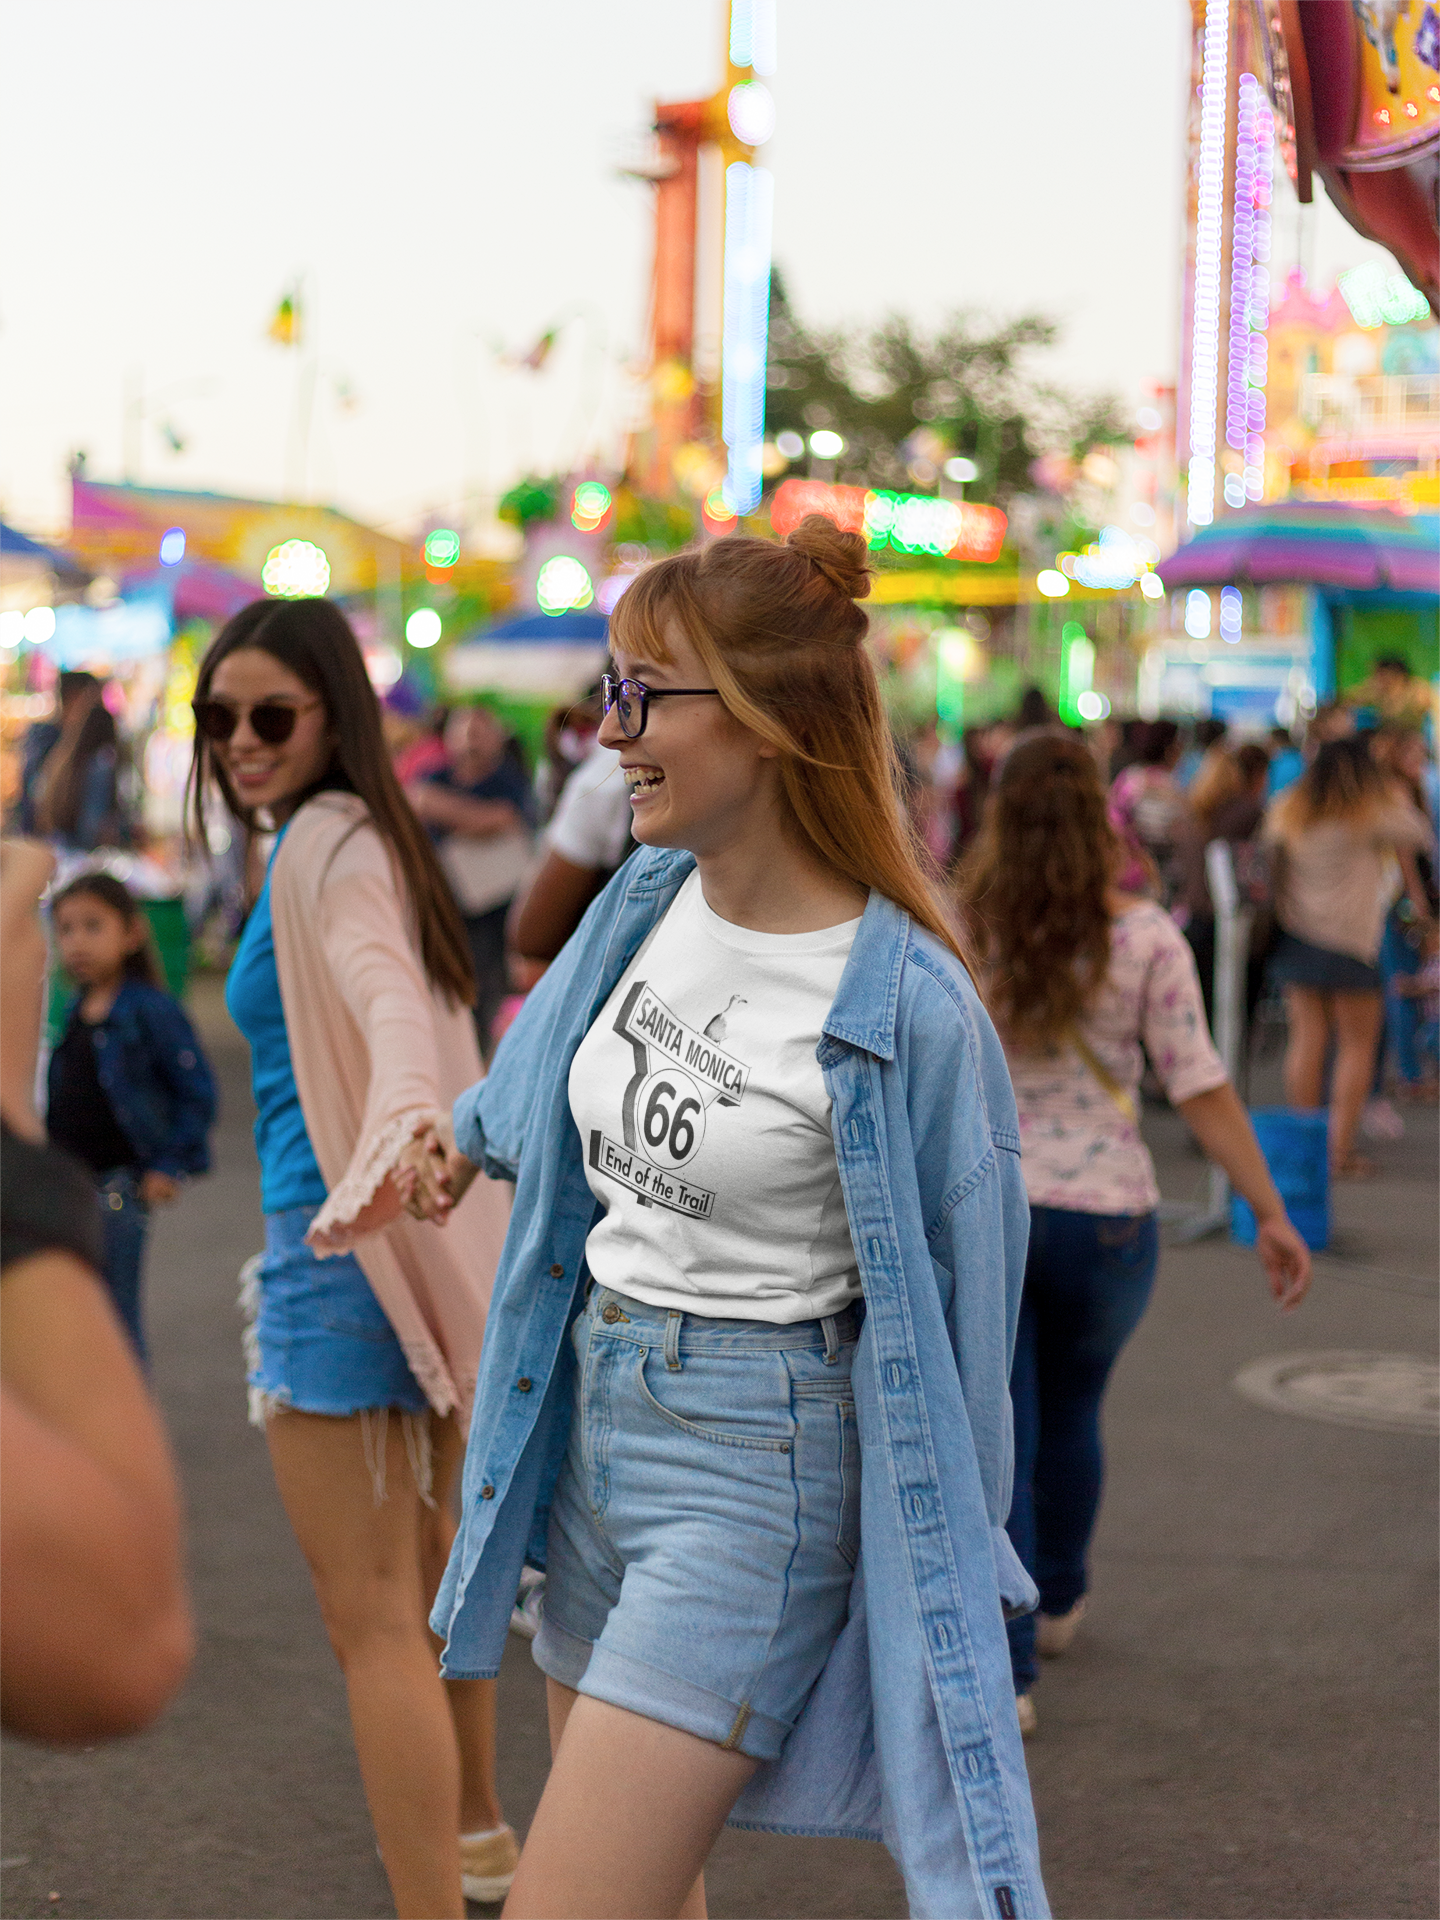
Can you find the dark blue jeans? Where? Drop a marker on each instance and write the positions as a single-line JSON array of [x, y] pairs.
[[1087, 1280], [1400, 956], [126, 1221]]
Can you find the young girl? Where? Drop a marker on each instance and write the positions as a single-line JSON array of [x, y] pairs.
[[352, 984], [131, 1092], [768, 1185]]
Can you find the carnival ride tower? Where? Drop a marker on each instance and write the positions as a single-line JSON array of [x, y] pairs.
[[689, 408]]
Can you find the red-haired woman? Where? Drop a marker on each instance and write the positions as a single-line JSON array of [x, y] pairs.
[[768, 1224], [1079, 976]]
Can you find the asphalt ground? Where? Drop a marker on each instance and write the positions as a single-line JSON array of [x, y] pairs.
[[1245, 1726]]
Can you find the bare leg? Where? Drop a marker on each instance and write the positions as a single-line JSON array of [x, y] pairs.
[[365, 1561], [1357, 1029], [628, 1817], [1307, 1020], [472, 1702], [559, 1700]]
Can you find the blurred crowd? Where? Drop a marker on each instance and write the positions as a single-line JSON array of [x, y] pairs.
[[527, 839]]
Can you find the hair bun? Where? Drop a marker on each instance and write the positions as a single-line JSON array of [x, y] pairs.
[[843, 558]]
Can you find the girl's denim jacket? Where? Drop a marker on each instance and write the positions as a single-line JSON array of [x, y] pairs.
[[157, 1078], [910, 1734]]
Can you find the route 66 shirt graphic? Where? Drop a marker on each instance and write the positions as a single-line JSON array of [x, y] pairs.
[[706, 1125]]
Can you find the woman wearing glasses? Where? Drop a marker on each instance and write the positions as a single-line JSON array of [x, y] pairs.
[[352, 984], [768, 1225]]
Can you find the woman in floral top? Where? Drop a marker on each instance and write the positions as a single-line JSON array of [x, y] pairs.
[[1084, 982]]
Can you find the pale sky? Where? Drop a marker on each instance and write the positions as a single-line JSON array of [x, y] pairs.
[[444, 176]]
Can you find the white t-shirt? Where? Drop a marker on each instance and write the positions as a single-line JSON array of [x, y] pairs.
[[705, 1123], [591, 823]]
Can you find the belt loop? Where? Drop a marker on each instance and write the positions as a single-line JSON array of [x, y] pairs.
[[672, 1340], [832, 1340]]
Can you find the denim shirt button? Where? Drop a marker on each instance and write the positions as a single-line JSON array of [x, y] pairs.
[[523, 1385], [487, 1493], [557, 1273]]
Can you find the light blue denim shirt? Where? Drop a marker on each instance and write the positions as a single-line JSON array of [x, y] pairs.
[[910, 1735]]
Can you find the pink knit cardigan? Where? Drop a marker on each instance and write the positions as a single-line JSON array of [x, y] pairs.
[[378, 1053]]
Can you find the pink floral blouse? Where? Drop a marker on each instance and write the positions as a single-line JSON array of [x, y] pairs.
[[1079, 1150]]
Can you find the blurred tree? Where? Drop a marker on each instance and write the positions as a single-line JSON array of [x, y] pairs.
[[530, 499], [904, 401]]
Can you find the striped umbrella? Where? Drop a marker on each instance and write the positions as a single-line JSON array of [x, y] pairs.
[[1320, 545]]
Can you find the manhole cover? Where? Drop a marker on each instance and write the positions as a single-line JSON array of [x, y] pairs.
[[1393, 1392]]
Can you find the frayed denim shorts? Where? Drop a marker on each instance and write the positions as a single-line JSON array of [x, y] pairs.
[[318, 1340], [706, 1520]]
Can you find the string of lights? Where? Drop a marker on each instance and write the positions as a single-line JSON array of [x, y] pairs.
[[1249, 291], [1209, 244]]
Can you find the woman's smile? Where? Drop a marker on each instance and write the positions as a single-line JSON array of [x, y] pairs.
[[644, 783]]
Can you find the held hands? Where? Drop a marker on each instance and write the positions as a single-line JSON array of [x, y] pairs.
[[1285, 1258], [433, 1176], [158, 1189]]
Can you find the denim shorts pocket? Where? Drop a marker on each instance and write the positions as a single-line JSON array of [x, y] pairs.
[[703, 1403]]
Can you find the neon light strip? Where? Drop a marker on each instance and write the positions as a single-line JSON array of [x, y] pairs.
[[1249, 290], [1209, 243], [1259, 301], [749, 208], [1242, 263]]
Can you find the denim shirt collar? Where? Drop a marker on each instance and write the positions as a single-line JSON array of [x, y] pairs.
[[863, 1012]]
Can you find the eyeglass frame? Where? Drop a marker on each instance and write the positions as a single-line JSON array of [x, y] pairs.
[[248, 712], [611, 691]]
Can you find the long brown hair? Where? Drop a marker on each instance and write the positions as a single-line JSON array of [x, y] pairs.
[[141, 963], [1342, 783], [780, 634], [313, 639], [1034, 888]]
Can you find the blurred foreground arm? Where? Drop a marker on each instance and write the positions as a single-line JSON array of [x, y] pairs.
[[97, 1634], [97, 1628]]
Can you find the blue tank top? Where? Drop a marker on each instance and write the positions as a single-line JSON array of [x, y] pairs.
[[289, 1172]]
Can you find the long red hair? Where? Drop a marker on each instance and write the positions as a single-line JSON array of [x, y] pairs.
[[781, 635]]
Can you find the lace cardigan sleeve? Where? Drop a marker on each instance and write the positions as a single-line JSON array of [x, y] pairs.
[[370, 954]]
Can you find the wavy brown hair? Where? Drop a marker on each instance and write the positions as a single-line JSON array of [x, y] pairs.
[[1034, 890], [314, 640], [1342, 783], [780, 633]]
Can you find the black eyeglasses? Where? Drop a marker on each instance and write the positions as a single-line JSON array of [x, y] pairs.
[[631, 700], [272, 721]]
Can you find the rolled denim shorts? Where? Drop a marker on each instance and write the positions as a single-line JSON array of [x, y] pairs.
[[318, 1339], [706, 1519]]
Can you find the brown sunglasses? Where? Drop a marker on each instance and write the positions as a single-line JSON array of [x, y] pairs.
[[272, 721]]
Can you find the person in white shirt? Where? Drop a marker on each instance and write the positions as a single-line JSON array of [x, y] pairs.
[[587, 839]]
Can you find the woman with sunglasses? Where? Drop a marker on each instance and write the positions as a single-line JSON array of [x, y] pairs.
[[352, 983], [744, 1390]]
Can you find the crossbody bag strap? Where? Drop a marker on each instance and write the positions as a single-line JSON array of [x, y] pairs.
[[1123, 1100]]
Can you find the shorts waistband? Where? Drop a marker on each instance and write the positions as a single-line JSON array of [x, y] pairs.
[[630, 1319]]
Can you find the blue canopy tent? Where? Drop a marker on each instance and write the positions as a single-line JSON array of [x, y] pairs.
[[534, 656]]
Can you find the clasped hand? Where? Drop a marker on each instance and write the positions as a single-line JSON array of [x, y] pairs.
[[432, 1174]]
